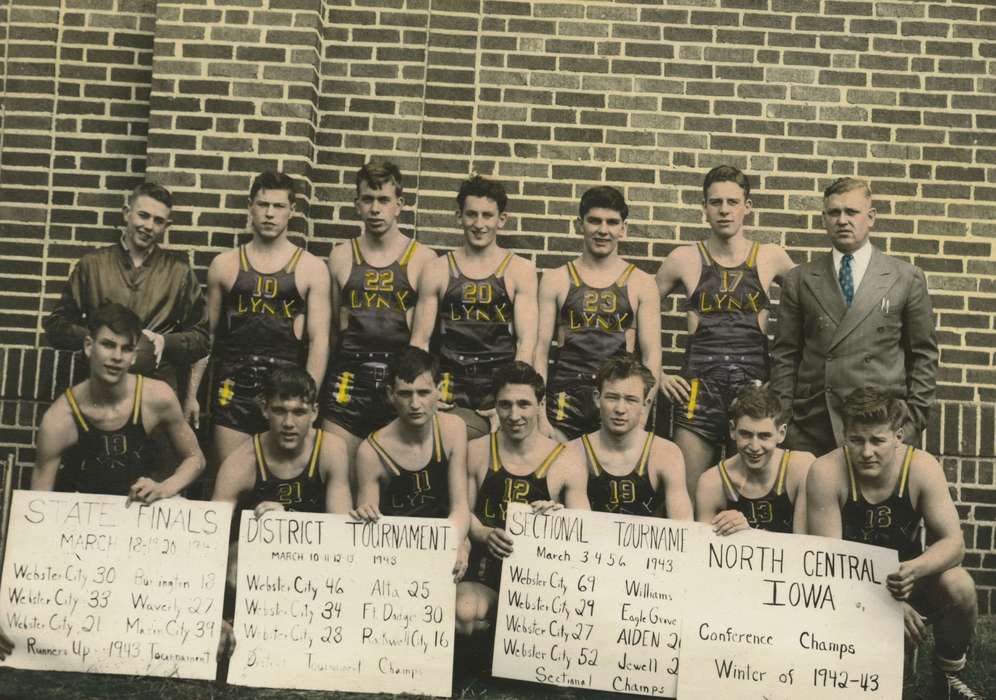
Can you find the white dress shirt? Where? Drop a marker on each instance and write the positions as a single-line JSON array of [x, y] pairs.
[[862, 256]]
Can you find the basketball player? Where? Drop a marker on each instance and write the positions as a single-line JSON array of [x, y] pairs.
[[485, 300], [727, 279], [762, 485], [878, 490], [598, 306], [268, 307], [95, 438], [373, 299], [630, 470]]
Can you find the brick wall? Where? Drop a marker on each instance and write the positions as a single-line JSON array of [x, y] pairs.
[[550, 97]]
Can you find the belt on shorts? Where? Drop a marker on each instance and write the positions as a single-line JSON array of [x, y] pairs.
[[698, 359], [481, 367]]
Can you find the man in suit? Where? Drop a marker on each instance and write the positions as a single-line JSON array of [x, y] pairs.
[[851, 318]]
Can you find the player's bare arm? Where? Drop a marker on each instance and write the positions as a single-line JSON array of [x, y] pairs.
[[496, 541], [682, 267], [773, 264], [668, 467], [455, 444], [334, 459], [826, 490], [552, 292], [369, 473], [523, 288], [55, 436], [568, 481], [312, 278], [709, 497], [421, 258], [648, 319], [237, 474], [795, 483], [431, 287]]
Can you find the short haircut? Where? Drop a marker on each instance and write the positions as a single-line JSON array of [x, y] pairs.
[[376, 174], [623, 367], [273, 180], [603, 197], [847, 184], [477, 186], [726, 173], [758, 402], [152, 190], [518, 372], [873, 406], [289, 383], [118, 319], [411, 363]]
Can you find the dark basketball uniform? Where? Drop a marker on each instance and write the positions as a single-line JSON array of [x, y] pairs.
[[256, 338], [728, 349], [476, 335], [107, 461], [773, 511], [304, 493], [498, 490], [631, 494], [592, 327], [423, 493], [376, 301]]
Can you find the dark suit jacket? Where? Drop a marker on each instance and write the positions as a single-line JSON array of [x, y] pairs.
[[824, 350]]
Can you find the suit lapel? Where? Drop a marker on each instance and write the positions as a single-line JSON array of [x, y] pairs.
[[879, 276], [822, 282]]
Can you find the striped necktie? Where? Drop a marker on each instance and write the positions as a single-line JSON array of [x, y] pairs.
[[846, 278]]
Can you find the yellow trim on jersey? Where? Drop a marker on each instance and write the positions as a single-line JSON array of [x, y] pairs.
[[257, 446], [905, 472], [850, 475], [641, 466], [243, 259], [573, 274], [561, 405], [596, 466], [454, 269], [437, 439], [446, 387], [77, 413], [357, 255], [495, 459], [293, 261], [407, 255], [550, 459], [752, 255], [500, 270], [382, 453], [693, 399], [782, 470], [731, 492], [136, 410], [621, 282], [342, 396], [705, 253], [315, 451]]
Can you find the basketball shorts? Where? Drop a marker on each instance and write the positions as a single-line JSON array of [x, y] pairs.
[[483, 568], [236, 400], [353, 395], [715, 381]]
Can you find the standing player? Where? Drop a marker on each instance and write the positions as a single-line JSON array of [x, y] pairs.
[[292, 466], [630, 470], [268, 304], [485, 297], [373, 299], [727, 279], [95, 438], [516, 464], [599, 306], [877, 490], [761, 486]]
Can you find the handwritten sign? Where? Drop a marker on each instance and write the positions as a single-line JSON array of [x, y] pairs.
[[592, 600], [789, 616], [91, 585], [327, 603]]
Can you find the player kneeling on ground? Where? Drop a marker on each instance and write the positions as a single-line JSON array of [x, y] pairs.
[[630, 470], [762, 485], [877, 490]]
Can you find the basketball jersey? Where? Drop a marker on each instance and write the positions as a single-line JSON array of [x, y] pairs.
[[107, 461], [304, 493], [376, 301], [593, 322], [727, 301], [893, 523], [423, 493], [260, 310], [631, 494], [773, 511], [475, 318], [501, 488]]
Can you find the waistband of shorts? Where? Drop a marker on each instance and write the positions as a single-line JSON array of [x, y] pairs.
[[256, 361], [364, 357]]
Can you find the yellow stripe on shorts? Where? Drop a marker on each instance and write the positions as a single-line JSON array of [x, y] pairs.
[[226, 392], [343, 394], [562, 405], [693, 399]]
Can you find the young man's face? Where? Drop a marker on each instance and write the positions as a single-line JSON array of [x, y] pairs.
[[269, 213], [146, 220], [602, 230], [290, 420], [872, 447], [518, 410], [481, 221], [621, 403], [379, 208], [111, 354], [848, 217], [414, 402], [726, 208], [756, 439]]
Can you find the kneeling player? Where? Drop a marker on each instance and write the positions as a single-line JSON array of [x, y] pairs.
[[762, 485], [416, 465], [877, 490], [630, 470], [96, 437], [515, 464]]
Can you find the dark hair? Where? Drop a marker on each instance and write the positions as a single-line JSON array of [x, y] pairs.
[[518, 372], [725, 173], [377, 174], [873, 406], [758, 402], [604, 197], [289, 383], [153, 190], [477, 186], [624, 367], [273, 180], [846, 184], [410, 363], [119, 319]]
